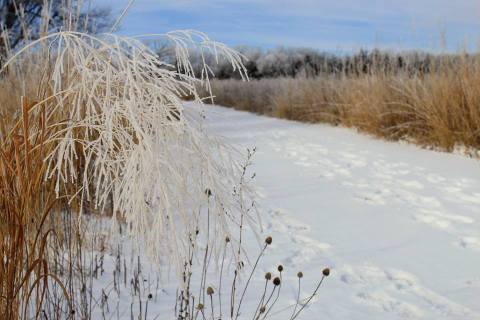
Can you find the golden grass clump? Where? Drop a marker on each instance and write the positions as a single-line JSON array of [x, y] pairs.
[[26, 202], [439, 108]]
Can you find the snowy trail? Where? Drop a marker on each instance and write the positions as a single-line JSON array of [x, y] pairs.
[[399, 226]]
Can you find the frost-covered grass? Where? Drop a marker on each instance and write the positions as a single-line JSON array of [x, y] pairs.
[[118, 126], [97, 150], [103, 128], [103, 141]]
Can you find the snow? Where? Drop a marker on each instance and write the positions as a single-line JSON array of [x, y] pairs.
[[399, 226]]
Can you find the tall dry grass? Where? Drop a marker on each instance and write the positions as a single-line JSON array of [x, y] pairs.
[[28, 206], [95, 125], [440, 108]]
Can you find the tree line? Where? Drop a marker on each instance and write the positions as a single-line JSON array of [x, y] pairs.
[[304, 62]]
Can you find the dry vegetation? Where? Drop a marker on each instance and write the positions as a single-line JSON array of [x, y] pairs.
[[438, 108], [97, 148], [88, 125], [75, 148]]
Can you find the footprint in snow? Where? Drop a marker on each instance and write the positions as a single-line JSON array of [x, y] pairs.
[[303, 248], [397, 292]]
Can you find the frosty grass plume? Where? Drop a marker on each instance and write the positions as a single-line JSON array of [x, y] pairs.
[[142, 152]]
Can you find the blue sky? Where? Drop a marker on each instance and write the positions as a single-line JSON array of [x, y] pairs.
[[336, 25]]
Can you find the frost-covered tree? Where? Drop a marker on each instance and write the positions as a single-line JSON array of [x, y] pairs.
[[29, 19], [305, 62]]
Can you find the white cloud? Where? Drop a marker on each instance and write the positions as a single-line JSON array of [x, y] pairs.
[[391, 20], [466, 11]]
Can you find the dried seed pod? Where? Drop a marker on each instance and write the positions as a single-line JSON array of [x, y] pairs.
[[268, 276], [326, 272], [300, 274], [276, 281], [210, 291], [268, 240], [280, 268]]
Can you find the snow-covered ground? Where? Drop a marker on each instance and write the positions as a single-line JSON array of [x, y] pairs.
[[398, 225]]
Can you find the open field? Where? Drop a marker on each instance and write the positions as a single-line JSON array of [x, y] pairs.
[[438, 109], [397, 225]]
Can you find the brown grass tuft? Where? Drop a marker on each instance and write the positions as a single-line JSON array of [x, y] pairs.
[[440, 108], [27, 202]]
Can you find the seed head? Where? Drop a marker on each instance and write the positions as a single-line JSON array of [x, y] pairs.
[[262, 309], [268, 240], [280, 268], [268, 276], [150, 296], [276, 281], [227, 239], [200, 306], [300, 274], [210, 291], [326, 272]]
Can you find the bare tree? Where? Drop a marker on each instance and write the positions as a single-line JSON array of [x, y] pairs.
[[21, 20]]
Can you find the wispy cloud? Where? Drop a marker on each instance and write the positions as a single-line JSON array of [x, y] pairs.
[[323, 24]]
